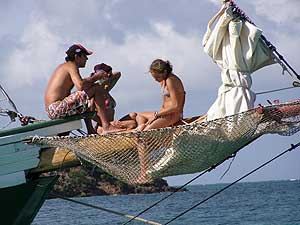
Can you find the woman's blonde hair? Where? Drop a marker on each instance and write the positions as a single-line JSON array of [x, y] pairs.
[[160, 66]]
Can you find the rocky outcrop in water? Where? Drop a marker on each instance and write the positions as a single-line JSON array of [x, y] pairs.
[[87, 181]]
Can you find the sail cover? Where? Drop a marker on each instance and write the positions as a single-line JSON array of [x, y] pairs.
[[143, 156], [236, 46]]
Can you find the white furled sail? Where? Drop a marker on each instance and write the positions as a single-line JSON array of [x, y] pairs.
[[236, 46]]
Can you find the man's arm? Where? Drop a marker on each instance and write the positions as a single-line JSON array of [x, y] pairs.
[[111, 81], [90, 81], [75, 76], [85, 83]]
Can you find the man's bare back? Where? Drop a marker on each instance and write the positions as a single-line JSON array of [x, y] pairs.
[[59, 85]]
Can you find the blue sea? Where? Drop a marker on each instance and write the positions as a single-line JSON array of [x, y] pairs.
[[255, 203]]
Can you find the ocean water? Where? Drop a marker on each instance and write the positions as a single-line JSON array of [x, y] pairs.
[[257, 203]]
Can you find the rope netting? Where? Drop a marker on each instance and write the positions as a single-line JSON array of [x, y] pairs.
[[139, 157]]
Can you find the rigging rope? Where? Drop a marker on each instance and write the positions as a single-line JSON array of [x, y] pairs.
[[226, 187], [169, 195], [184, 185], [15, 113], [295, 85], [106, 210], [227, 170]]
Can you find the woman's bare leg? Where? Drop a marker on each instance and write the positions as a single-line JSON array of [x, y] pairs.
[[128, 122], [142, 147], [162, 122], [97, 93], [144, 164], [142, 119]]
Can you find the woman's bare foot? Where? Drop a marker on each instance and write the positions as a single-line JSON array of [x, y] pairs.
[[109, 130], [126, 124], [140, 127], [99, 130], [117, 124]]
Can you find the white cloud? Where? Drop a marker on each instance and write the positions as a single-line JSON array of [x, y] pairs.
[[42, 48], [138, 50], [279, 11], [109, 7], [216, 2], [32, 61]]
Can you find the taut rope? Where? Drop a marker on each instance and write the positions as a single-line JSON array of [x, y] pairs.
[[223, 189], [107, 210]]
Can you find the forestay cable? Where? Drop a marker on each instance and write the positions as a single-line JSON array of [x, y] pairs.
[[106, 210], [169, 195]]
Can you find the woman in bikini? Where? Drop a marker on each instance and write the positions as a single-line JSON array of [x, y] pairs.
[[173, 96]]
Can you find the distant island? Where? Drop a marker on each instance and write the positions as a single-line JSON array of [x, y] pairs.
[[84, 181]]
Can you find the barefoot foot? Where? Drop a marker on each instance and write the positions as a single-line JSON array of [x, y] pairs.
[[108, 130], [140, 127]]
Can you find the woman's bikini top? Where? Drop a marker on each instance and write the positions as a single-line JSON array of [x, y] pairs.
[[164, 89]]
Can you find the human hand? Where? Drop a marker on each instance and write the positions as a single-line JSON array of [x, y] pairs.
[[154, 117], [86, 85], [101, 75]]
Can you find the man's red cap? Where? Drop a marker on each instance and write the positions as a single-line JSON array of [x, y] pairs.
[[78, 48]]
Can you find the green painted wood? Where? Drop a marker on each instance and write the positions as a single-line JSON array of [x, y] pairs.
[[49, 123], [12, 179], [30, 153], [20, 204], [19, 166], [44, 131], [14, 147]]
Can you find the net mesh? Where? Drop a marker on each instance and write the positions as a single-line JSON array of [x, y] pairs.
[[143, 156]]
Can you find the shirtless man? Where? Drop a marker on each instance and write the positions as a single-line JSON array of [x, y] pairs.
[[59, 102]]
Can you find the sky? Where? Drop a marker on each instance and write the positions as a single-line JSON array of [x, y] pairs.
[[129, 35]]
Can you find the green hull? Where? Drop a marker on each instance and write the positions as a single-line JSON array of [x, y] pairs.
[[21, 203]]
